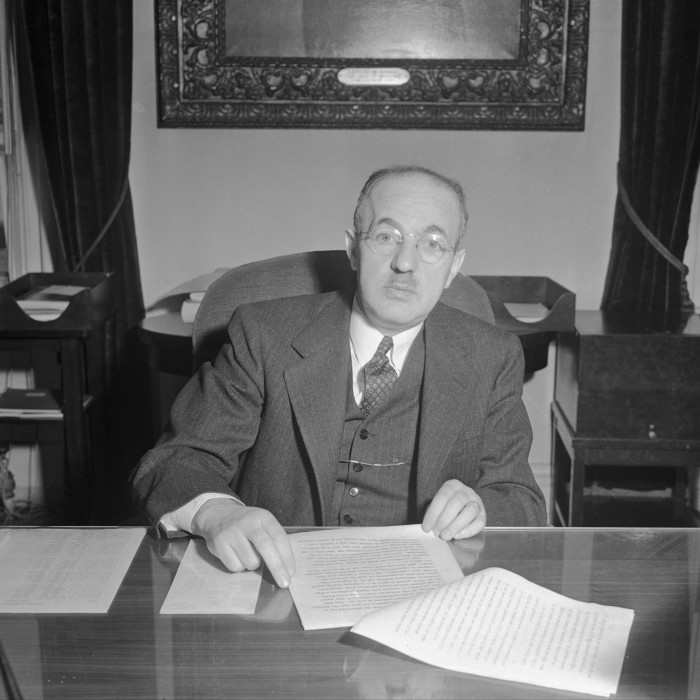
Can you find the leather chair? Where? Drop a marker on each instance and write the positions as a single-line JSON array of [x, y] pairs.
[[293, 275]]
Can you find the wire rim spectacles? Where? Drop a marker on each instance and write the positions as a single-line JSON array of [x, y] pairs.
[[386, 240]]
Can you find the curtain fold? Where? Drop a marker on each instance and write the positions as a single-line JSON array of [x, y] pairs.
[[659, 157], [81, 63]]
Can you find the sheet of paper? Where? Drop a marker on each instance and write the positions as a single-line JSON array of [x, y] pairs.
[[495, 623], [343, 574], [64, 570], [203, 586]]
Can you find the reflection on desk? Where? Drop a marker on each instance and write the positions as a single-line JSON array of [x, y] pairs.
[[133, 652]]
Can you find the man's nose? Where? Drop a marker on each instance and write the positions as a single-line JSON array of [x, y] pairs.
[[406, 257]]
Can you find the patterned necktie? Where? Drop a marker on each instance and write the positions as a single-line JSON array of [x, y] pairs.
[[379, 377]]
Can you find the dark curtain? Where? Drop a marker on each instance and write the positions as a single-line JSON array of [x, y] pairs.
[[659, 155], [80, 54]]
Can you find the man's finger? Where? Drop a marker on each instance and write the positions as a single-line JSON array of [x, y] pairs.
[[227, 556], [439, 503], [456, 506], [468, 523], [284, 546], [435, 509], [277, 561]]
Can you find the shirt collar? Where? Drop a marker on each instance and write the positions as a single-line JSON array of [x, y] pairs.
[[364, 339]]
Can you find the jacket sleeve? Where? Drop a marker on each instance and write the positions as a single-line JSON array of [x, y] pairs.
[[505, 482], [213, 421]]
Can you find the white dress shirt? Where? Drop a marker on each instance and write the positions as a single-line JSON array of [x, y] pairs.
[[364, 340]]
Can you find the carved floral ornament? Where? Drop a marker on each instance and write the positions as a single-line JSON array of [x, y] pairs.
[[542, 87]]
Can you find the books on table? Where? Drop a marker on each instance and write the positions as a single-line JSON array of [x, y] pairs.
[[44, 404], [190, 306], [191, 293]]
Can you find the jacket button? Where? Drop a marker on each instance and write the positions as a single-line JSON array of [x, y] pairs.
[[347, 520], [354, 491], [357, 467], [364, 434]]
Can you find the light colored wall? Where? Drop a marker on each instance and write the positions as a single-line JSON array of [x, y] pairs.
[[541, 203]]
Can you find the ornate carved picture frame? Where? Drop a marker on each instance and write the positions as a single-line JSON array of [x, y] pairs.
[[212, 73]]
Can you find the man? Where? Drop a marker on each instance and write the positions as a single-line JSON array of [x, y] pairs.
[[385, 408]]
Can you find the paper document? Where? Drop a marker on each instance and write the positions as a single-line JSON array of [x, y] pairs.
[[203, 586], [47, 303], [495, 623], [527, 311], [64, 570], [341, 575]]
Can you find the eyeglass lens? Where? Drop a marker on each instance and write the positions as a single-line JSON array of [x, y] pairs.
[[385, 241]]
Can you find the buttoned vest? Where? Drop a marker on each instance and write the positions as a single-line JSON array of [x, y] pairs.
[[375, 478]]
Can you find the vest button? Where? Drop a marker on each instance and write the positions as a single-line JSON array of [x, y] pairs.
[[364, 434], [357, 467], [354, 491], [347, 520]]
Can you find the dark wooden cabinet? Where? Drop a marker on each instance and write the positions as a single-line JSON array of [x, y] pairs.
[[79, 340], [627, 392]]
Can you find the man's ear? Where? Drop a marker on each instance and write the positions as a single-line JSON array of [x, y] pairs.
[[455, 267], [351, 247]]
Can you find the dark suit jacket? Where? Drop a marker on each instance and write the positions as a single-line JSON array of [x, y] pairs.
[[265, 420]]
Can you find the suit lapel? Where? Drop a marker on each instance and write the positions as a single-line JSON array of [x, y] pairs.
[[448, 382], [317, 388]]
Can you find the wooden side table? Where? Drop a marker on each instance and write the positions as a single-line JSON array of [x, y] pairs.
[[627, 392], [78, 338]]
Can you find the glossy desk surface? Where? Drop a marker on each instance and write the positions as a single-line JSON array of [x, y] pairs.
[[134, 652]]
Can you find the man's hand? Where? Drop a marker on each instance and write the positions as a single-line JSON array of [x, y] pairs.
[[455, 513], [240, 536]]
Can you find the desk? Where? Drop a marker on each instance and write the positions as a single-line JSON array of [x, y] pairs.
[[133, 652]]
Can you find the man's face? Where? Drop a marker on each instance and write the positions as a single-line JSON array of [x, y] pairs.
[[396, 292]]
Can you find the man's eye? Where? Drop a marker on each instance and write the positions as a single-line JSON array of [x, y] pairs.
[[433, 244], [384, 237]]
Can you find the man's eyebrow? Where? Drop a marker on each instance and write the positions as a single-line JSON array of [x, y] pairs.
[[387, 220], [434, 228]]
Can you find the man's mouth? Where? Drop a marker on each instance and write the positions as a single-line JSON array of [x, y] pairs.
[[400, 292], [402, 284]]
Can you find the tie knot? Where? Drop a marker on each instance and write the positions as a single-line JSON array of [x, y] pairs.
[[385, 345], [379, 359]]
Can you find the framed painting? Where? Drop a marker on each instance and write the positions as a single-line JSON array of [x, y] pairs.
[[394, 64]]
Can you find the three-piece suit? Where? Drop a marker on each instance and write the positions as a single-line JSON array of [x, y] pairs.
[[266, 420]]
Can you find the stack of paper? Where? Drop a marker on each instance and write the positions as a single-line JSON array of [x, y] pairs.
[[49, 302], [529, 312], [64, 570], [190, 306]]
